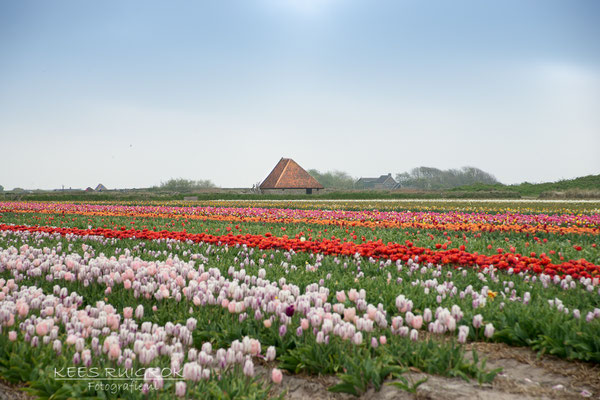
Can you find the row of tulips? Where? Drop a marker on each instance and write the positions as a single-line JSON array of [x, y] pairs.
[[433, 205], [511, 262], [477, 222]]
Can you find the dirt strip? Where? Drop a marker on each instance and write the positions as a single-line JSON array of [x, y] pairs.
[[524, 376], [9, 391]]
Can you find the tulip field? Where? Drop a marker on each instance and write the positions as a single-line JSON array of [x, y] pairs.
[[231, 299]]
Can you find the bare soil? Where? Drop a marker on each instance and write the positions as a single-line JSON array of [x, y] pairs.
[[525, 376], [8, 391]]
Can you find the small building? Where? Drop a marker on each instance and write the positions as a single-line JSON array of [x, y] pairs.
[[89, 189], [100, 188], [384, 182], [289, 177]]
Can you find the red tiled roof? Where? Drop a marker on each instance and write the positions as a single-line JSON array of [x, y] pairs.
[[287, 174]]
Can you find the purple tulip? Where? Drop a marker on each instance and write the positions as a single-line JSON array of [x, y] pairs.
[[289, 310]]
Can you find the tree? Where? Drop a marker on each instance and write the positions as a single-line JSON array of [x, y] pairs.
[[185, 185], [333, 179], [475, 175], [1, 188], [256, 187]]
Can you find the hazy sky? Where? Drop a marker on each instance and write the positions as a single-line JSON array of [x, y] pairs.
[[132, 93]]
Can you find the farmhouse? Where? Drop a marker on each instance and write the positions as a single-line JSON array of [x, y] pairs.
[[100, 188], [289, 177], [384, 182]]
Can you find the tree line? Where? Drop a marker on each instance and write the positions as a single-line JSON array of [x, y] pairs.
[[417, 178], [184, 185], [433, 178]]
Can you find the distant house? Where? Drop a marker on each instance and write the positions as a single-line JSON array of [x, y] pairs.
[[384, 182], [289, 177], [89, 189], [100, 188]]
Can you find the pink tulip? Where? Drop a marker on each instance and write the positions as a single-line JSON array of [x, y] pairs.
[[180, 388], [254, 347], [349, 314], [417, 322], [71, 339], [340, 296], [371, 312], [114, 352], [22, 309], [304, 324], [12, 336], [231, 307], [276, 376], [353, 295], [338, 308], [128, 312], [41, 329]]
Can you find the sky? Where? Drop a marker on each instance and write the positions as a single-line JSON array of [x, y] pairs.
[[133, 93]]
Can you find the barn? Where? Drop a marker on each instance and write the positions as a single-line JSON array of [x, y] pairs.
[[289, 177]]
